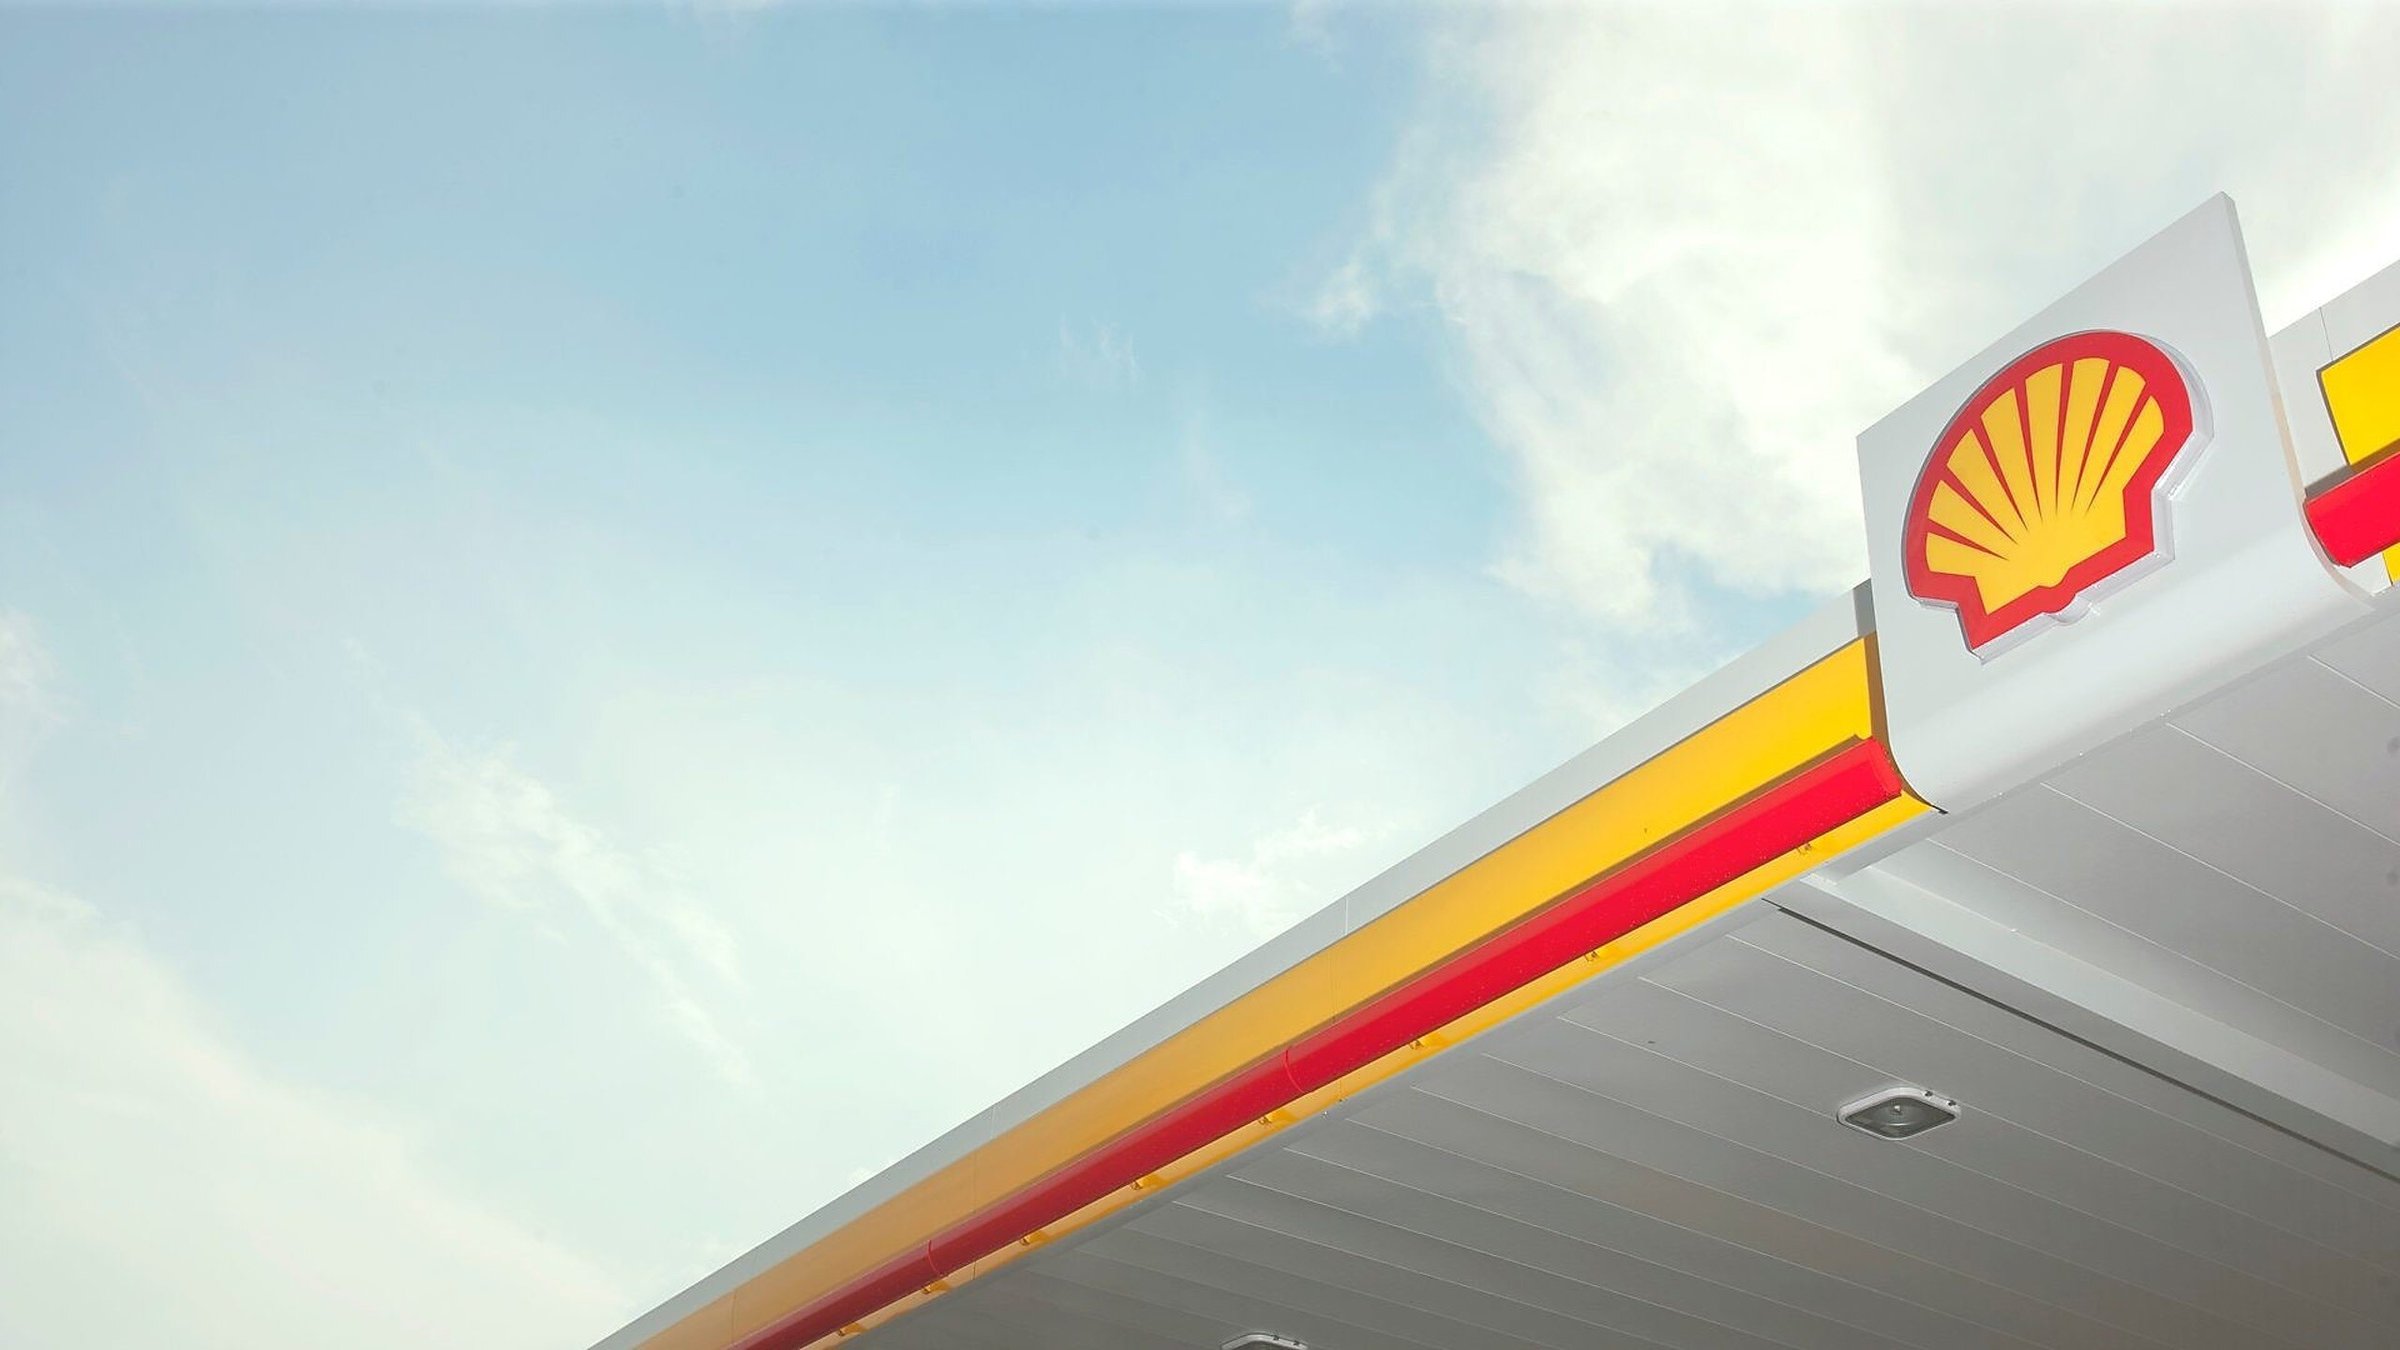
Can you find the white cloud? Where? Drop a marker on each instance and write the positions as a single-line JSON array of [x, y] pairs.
[[26, 669], [1287, 873], [1100, 356], [507, 839], [1347, 300], [1218, 496], [161, 1189], [1688, 252], [28, 696]]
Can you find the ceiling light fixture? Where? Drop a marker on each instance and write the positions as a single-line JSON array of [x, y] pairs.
[[1259, 1340], [1899, 1113]]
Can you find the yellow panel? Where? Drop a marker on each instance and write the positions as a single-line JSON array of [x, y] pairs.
[[1813, 712], [2362, 393]]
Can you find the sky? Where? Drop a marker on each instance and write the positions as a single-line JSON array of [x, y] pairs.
[[610, 617]]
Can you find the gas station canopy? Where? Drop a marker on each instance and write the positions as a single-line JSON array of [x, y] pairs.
[[2007, 956]]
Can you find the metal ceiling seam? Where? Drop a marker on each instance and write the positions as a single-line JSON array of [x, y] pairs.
[[2264, 897], [1677, 830], [2212, 732], [2282, 784], [2314, 1080], [2317, 659]]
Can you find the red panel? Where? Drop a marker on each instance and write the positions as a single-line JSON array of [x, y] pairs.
[[2359, 517], [1805, 806]]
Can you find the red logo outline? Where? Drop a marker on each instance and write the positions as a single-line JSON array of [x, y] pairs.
[[2163, 379]]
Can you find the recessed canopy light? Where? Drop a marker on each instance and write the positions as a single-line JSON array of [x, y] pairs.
[[1900, 1113], [1259, 1340]]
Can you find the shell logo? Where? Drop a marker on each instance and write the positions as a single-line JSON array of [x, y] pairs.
[[2048, 482]]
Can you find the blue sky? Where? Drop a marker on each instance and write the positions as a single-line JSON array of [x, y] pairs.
[[610, 618], [835, 482]]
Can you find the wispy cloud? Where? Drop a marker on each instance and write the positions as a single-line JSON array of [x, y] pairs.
[[165, 1189], [1688, 252], [1213, 489], [1286, 873], [26, 669], [1345, 301], [1097, 355], [507, 839], [28, 694]]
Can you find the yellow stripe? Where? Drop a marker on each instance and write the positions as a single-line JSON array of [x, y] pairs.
[[1813, 712], [1684, 919], [2362, 394]]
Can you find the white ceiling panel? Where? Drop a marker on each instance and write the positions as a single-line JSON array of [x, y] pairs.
[[1655, 1162]]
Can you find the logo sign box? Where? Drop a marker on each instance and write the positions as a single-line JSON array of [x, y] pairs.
[[2090, 524]]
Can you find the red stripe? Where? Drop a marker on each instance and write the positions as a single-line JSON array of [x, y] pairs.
[[1183, 1129], [1800, 808], [1828, 794], [2359, 517]]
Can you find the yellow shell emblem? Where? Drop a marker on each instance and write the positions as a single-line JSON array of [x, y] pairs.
[[2047, 482]]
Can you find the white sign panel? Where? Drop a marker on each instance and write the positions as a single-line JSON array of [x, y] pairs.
[[2089, 525]]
